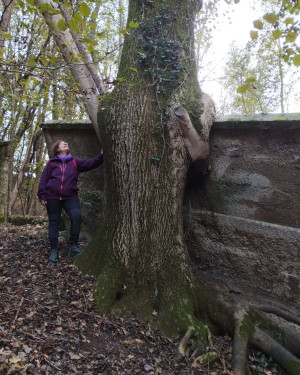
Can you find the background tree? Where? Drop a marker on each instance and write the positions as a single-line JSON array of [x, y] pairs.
[[257, 80], [263, 82]]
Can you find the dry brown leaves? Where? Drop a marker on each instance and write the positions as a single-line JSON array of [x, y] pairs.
[[49, 324]]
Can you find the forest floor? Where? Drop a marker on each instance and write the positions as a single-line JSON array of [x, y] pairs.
[[49, 324]]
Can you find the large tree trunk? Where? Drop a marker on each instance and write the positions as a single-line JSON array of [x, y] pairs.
[[147, 125]]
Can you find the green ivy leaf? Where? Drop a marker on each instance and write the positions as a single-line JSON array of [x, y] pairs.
[[133, 24], [73, 25], [85, 10], [243, 88], [77, 17], [289, 21], [250, 80], [30, 2], [31, 61], [271, 18], [134, 69], [61, 24], [291, 36], [47, 8], [277, 34], [253, 34], [258, 24], [43, 60], [6, 35], [296, 60]]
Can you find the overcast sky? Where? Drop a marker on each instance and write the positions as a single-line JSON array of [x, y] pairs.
[[237, 28]]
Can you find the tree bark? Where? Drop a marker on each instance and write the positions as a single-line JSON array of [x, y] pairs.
[[139, 252], [15, 191], [5, 168], [5, 20]]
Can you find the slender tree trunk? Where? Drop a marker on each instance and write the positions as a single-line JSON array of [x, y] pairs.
[[5, 20], [148, 125], [33, 205], [77, 65], [5, 172], [15, 191]]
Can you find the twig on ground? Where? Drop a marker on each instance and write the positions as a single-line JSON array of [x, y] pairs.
[[18, 311]]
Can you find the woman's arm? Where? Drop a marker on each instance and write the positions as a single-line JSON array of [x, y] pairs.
[[42, 194], [84, 165]]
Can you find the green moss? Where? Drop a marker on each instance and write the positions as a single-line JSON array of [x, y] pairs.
[[106, 288], [177, 315], [23, 220], [247, 328], [275, 331], [2, 218], [92, 259], [293, 367], [192, 102]]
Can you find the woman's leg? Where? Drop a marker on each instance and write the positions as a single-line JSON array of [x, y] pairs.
[[54, 208], [72, 208], [54, 212]]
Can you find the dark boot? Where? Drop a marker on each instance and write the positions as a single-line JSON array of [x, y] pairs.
[[53, 256], [75, 250]]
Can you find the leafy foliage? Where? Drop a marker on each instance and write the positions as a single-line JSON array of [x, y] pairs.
[[283, 17]]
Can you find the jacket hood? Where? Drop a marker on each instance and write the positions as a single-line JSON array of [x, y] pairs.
[[59, 158]]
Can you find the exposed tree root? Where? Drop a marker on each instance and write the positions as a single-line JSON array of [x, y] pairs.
[[268, 328], [278, 311], [239, 354], [185, 340], [272, 348]]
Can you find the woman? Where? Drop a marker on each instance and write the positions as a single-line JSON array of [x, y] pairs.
[[58, 190]]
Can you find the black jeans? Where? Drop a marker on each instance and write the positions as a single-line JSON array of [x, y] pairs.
[[72, 208]]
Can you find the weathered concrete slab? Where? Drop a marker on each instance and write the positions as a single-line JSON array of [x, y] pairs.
[[251, 257], [255, 170]]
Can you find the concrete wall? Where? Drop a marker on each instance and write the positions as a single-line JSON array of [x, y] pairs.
[[242, 220]]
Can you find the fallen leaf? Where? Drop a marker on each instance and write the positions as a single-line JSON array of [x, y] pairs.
[[74, 356], [148, 368], [14, 359]]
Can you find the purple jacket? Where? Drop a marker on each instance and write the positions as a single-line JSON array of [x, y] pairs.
[[59, 177]]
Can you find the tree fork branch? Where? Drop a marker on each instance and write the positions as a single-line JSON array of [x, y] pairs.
[[198, 148], [89, 63], [272, 348]]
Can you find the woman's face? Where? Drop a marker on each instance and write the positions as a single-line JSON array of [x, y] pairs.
[[63, 147]]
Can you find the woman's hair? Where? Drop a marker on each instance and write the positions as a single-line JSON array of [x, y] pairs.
[[55, 147]]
